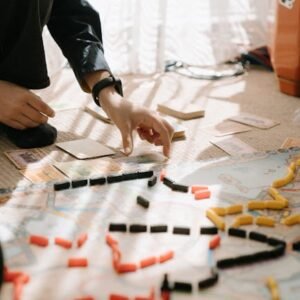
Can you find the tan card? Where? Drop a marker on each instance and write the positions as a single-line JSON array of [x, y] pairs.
[[85, 148], [42, 174], [291, 142], [255, 121], [179, 130], [88, 168], [226, 128], [97, 112], [24, 157]]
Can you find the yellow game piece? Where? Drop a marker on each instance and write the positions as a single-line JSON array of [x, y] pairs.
[[256, 204], [265, 221], [273, 287], [234, 209], [274, 204], [292, 220], [220, 211], [285, 180], [273, 192], [243, 220], [298, 162], [276, 196], [293, 166], [283, 199], [216, 219]]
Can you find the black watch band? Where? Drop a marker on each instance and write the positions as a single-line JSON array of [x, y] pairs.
[[108, 81]]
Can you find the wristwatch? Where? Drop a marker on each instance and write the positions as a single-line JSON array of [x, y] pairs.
[[108, 81]]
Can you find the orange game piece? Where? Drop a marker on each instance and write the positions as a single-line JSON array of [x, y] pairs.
[[126, 268], [38, 240], [215, 242], [166, 256], [82, 239], [148, 262], [85, 298], [162, 174], [63, 243], [196, 188], [200, 195], [77, 262], [110, 240], [118, 297]]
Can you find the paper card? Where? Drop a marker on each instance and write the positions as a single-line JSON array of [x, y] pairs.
[[85, 148], [233, 146], [226, 128], [97, 112], [24, 157], [88, 168], [179, 130], [255, 121], [42, 174], [291, 142]]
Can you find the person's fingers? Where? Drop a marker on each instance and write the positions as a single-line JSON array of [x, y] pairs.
[[126, 133], [34, 115], [15, 124], [25, 121], [169, 128], [146, 134], [41, 106]]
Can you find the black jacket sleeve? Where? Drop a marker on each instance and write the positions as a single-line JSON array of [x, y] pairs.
[[76, 28]]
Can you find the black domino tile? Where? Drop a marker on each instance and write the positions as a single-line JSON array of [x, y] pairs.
[[296, 246], [119, 227], [259, 237], [182, 287], [97, 181], [237, 232], [61, 186], [137, 228], [209, 230], [208, 282], [226, 263], [168, 182], [158, 228], [276, 242], [142, 201], [181, 230], [79, 183], [145, 174], [152, 181], [114, 178], [130, 176], [180, 188]]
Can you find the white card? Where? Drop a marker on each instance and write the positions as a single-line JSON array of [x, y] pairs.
[[97, 112], [255, 121], [226, 128], [233, 145], [85, 148]]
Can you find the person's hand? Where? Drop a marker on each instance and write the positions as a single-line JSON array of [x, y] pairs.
[[128, 117], [21, 108]]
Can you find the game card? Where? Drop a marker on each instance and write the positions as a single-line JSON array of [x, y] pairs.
[[255, 121], [97, 112], [85, 148], [291, 142], [226, 128], [42, 174], [24, 157], [233, 146]]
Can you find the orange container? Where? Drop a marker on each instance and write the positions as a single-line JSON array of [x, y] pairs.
[[286, 47]]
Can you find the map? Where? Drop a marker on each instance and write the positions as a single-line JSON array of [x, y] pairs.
[[39, 210]]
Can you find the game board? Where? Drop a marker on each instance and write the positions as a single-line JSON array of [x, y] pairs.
[[42, 211]]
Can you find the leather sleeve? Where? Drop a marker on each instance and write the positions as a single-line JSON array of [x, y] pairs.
[[76, 28]]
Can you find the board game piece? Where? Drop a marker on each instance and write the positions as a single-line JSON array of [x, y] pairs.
[[85, 298], [255, 121], [97, 181], [38, 240], [85, 148], [166, 256], [76, 262], [145, 174], [201, 195], [110, 240], [215, 242], [148, 262], [61, 186], [181, 111], [114, 178], [63, 243], [180, 188], [162, 174], [272, 285], [182, 287], [292, 220], [243, 220], [226, 263], [142, 201], [285, 180], [181, 230], [296, 246], [158, 228], [265, 221], [217, 220], [79, 183], [220, 211], [237, 232], [165, 287], [208, 282], [276, 242], [256, 205], [274, 204], [293, 166], [152, 181], [208, 230], [118, 297], [126, 268], [120, 227], [82, 239], [234, 209], [137, 228], [196, 188], [276, 195], [259, 237], [168, 182]]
